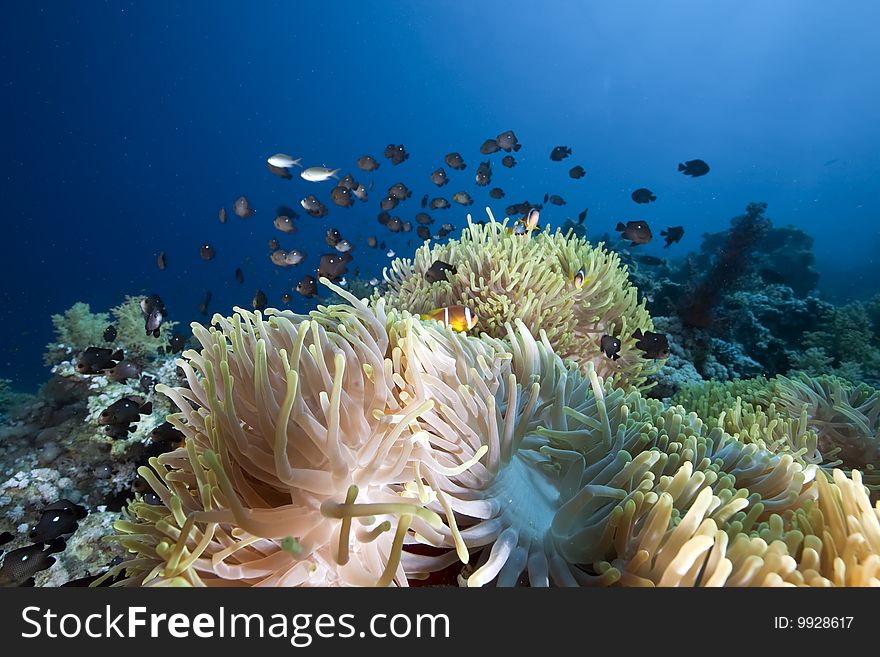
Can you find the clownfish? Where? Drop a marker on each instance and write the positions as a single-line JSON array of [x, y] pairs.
[[459, 318], [531, 220], [526, 224], [579, 279]]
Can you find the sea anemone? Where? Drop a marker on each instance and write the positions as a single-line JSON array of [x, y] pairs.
[[573, 467], [821, 420], [502, 277], [305, 450]]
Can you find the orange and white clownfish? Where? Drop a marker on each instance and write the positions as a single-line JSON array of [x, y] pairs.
[[459, 318], [579, 279], [531, 220]]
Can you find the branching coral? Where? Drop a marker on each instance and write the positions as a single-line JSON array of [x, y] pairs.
[[502, 277], [129, 321], [78, 328], [732, 261]]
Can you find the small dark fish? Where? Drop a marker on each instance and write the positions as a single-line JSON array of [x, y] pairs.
[[439, 177], [124, 370], [284, 224], [643, 195], [455, 161], [281, 172], [372, 242], [509, 161], [463, 198], [96, 360], [259, 301], [610, 346], [556, 199], [308, 287], [360, 192], [583, 215], [332, 237], [153, 309], [286, 298], [118, 431], [519, 208], [396, 154], [342, 197], [77, 510], [242, 208], [177, 343], [559, 153], [445, 229], [649, 260], [406, 227], [425, 201], [694, 168], [439, 203], [484, 174], [20, 566], [424, 219], [637, 232], [389, 203], [166, 433], [399, 191], [655, 345], [489, 146], [239, 275], [58, 520], [161, 261], [273, 244], [206, 252], [394, 224], [424, 232], [124, 411], [110, 333], [577, 172], [507, 141], [367, 163], [672, 235], [332, 265], [348, 182], [496, 192], [437, 271], [313, 206], [222, 215], [203, 306], [6, 537]]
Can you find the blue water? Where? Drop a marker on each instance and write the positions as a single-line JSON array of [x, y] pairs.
[[127, 126]]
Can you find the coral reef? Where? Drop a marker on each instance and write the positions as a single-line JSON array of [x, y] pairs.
[[53, 447], [501, 276]]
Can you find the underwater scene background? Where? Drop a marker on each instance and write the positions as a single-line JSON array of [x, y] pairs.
[[506, 293]]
